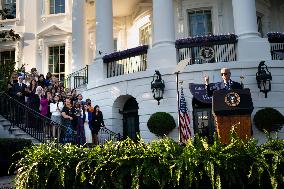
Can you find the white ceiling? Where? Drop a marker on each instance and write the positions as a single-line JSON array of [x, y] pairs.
[[124, 7]]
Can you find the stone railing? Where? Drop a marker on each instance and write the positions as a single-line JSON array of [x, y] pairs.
[[127, 61], [207, 49]]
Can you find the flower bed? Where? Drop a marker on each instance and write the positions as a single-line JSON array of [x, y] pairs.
[[125, 54], [275, 37], [160, 164], [206, 41]]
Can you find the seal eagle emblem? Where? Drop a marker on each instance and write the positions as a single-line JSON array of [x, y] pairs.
[[232, 99]]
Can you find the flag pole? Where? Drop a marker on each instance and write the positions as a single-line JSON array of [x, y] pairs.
[[179, 129]]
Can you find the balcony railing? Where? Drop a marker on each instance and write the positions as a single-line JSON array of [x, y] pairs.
[[276, 40], [207, 49], [127, 61], [77, 79]]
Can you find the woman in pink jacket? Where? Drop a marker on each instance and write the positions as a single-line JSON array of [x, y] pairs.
[[43, 105], [44, 111]]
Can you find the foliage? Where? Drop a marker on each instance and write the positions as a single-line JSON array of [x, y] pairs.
[[268, 119], [206, 40], [6, 35], [160, 164], [136, 51], [161, 123], [275, 37], [8, 147], [6, 70]]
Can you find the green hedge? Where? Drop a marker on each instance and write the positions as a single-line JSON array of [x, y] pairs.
[[8, 147], [161, 123], [268, 119], [160, 164]]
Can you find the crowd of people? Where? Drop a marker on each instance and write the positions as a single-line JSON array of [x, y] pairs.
[[48, 96]]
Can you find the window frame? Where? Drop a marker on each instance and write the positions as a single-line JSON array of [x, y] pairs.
[[59, 73], [190, 11], [144, 27], [8, 50], [17, 16], [54, 7]]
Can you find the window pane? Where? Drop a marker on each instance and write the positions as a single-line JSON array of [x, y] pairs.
[[200, 23], [56, 50], [62, 49], [9, 8], [57, 60], [62, 58], [52, 3], [56, 68], [62, 67], [61, 78], [50, 68], [7, 57]]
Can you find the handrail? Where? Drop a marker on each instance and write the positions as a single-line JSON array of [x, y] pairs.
[[33, 123], [77, 78], [41, 127], [106, 135]]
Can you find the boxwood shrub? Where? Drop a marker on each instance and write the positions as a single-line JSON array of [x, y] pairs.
[[268, 119], [161, 123], [8, 147]]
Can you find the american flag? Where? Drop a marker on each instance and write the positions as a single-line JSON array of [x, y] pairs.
[[184, 119]]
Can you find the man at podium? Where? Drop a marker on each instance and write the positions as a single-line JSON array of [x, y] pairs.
[[226, 84]]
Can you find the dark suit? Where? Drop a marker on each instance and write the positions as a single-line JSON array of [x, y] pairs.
[[97, 122], [221, 86], [17, 87]]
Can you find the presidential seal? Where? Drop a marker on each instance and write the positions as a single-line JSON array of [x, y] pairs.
[[232, 99], [207, 53]]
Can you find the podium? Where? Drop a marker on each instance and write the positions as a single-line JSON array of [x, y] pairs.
[[232, 108]]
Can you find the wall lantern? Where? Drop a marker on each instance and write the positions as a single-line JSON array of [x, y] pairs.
[[157, 86], [263, 78]]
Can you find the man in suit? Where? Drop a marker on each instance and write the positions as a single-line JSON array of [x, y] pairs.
[[19, 90], [226, 84]]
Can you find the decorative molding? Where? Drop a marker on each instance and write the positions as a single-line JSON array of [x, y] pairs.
[[40, 46], [53, 30]]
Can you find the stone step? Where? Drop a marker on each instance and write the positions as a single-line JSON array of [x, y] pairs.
[[5, 123]]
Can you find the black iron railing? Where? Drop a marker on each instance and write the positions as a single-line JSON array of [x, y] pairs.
[[42, 128], [33, 123], [77, 79], [127, 61], [277, 51], [207, 49], [106, 135]]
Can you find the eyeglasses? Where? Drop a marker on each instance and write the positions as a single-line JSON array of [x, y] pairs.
[[224, 74]]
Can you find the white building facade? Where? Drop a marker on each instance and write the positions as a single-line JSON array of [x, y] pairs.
[[63, 36]]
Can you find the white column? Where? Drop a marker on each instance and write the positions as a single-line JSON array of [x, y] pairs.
[[104, 28], [78, 35], [250, 46], [163, 53], [245, 23], [104, 39]]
